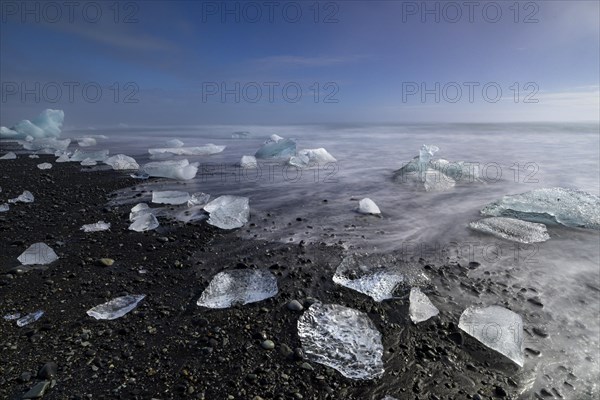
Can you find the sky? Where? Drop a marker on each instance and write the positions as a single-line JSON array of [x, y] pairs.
[[150, 63]]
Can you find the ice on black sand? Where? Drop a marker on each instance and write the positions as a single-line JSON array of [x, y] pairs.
[[512, 229], [29, 318], [38, 253], [97, 227], [121, 162], [25, 197], [44, 166], [228, 212], [170, 197], [116, 307], [238, 286], [9, 156], [420, 308]]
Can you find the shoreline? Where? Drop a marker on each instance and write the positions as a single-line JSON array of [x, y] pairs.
[[168, 347]]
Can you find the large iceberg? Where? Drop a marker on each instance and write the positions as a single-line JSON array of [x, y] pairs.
[[342, 338], [567, 207], [205, 150], [180, 169], [170, 197], [228, 212], [47, 124], [277, 147], [496, 327], [378, 276], [420, 308], [116, 307], [512, 229], [38, 253], [238, 286], [121, 162]]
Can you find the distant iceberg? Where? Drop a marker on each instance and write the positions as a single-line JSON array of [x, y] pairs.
[[47, 124]]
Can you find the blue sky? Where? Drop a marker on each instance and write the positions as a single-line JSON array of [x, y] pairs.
[[369, 61]]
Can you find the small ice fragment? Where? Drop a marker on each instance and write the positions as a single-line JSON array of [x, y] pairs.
[[116, 307], [240, 135], [248, 162], [567, 207], [29, 318], [4, 207], [496, 327], [420, 308], [174, 143], [170, 197], [97, 227], [198, 199], [342, 338], [139, 210], [9, 156], [277, 147], [121, 162], [512, 229], [12, 317], [44, 166], [175, 169], [427, 152], [99, 155], [25, 197], [238, 286], [34, 156], [205, 150], [38, 253], [86, 142], [88, 162], [63, 158], [228, 212], [144, 222], [368, 206]]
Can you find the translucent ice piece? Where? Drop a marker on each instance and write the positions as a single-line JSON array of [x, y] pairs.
[[342, 338], [97, 227], [121, 162], [44, 166], [174, 169], [459, 171], [8, 133], [88, 162], [139, 210], [512, 229], [63, 158], [174, 143], [29, 318], [205, 150], [99, 155], [12, 317], [4, 207], [567, 207], [248, 162], [378, 276], [116, 307], [170, 197], [9, 156], [435, 181], [496, 327], [198, 199], [368, 206], [277, 147], [228, 212], [34, 156], [420, 308], [86, 142], [25, 197], [238, 286], [144, 222], [427, 152], [46, 144], [38, 254]]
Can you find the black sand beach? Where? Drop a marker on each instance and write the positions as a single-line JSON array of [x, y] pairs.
[[169, 348]]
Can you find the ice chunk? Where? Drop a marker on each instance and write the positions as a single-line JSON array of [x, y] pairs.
[[88, 162], [567, 207], [79, 155], [420, 308], [25, 197], [277, 147], [44, 166], [512, 229], [170, 197], [86, 142], [116, 307], [29, 318], [12, 317], [308, 157], [38, 254], [377, 276], [436, 181], [368, 206], [121, 162], [228, 212], [139, 210], [144, 222], [4, 207], [6, 133], [47, 124], [180, 169], [198, 199], [97, 227], [63, 158], [240, 135], [426, 153], [459, 171], [248, 162], [174, 143], [342, 338], [497, 328], [238, 286], [189, 151], [46, 144], [9, 156]]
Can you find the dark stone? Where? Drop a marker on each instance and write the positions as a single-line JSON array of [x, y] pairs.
[[48, 371]]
